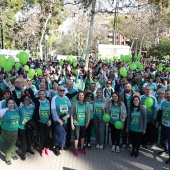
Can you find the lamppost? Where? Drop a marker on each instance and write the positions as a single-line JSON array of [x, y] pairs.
[[46, 41], [2, 34]]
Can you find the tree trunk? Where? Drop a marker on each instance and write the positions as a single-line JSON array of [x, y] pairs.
[[140, 47], [90, 34]]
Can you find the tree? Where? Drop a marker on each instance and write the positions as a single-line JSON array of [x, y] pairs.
[[161, 49]]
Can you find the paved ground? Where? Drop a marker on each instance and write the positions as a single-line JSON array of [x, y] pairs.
[[94, 160]]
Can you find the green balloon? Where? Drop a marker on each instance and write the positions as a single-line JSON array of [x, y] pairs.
[[122, 57], [137, 63], [76, 72], [23, 57], [74, 60], [160, 64], [106, 118], [148, 102], [61, 62], [74, 64], [132, 66], [160, 68], [8, 66], [167, 57], [123, 72], [3, 61], [39, 72], [17, 65], [12, 60], [106, 60], [70, 61], [68, 58], [118, 125], [26, 67], [31, 73], [45, 63], [140, 67], [99, 55], [168, 69]]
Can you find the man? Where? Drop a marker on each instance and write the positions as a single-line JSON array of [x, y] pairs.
[[34, 89], [71, 93], [93, 88], [164, 121], [61, 107], [150, 135], [19, 88], [150, 84], [42, 86], [126, 97]]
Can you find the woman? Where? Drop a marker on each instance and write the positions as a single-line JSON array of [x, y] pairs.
[[26, 111], [136, 124], [117, 112], [42, 114], [10, 124], [54, 91], [100, 108], [89, 98], [80, 116]]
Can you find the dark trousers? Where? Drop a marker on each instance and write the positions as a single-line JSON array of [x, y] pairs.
[[44, 132], [115, 134], [89, 131], [10, 139], [125, 136], [165, 137], [68, 135], [25, 142], [150, 137], [136, 140]]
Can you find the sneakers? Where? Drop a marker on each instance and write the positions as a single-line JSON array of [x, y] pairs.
[[101, 146], [83, 151], [15, 158], [43, 153], [57, 151], [30, 152], [23, 157], [117, 149], [76, 152], [153, 146], [88, 146], [84, 146], [8, 162], [123, 147], [97, 146], [130, 147], [47, 151], [113, 148], [132, 154], [136, 154]]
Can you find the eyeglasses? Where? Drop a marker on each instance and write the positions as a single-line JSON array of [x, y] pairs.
[[62, 90], [26, 99], [89, 96], [99, 92]]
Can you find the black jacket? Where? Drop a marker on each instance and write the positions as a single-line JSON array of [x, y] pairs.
[[36, 115]]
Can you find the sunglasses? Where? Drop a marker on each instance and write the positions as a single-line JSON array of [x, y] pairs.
[[62, 90]]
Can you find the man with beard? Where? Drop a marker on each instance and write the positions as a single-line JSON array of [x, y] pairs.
[[71, 93], [164, 121], [126, 97]]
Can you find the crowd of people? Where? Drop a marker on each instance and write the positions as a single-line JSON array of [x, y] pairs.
[[52, 105]]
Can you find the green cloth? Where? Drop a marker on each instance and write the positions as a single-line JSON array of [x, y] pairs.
[[135, 119], [54, 93], [81, 114], [10, 121], [165, 113], [3, 86], [115, 113], [25, 115], [44, 111], [91, 109], [98, 107]]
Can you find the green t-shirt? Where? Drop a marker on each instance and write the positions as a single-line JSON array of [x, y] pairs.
[[115, 113], [18, 93], [25, 115], [81, 114], [79, 84], [98, 107], [91, 109], [165, 107], [128, 99], [62, 105], [34, 89], [135, 119], [73, 99], [2, 86], [10, 121], [54, 93], [44, 111], [149, 111], [3, 106]]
